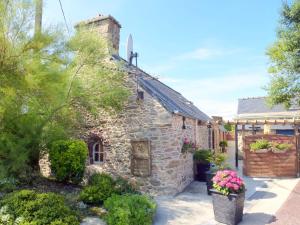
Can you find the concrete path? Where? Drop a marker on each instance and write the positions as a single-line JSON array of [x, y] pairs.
[[92, 221], [194, 206], [264, 197], [288, 214]]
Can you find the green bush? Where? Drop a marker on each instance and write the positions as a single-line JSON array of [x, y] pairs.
[[219, 160], [101, 187], [129, 210], [30, 207], [202, 155], [223, 144], [8, 184], [68, 160], [260, 144]]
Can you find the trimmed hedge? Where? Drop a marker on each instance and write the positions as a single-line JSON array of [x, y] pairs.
[[129, 210], [68, 160], [29, 207]]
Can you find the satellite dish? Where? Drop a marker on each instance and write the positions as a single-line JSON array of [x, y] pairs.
[[129, 48]]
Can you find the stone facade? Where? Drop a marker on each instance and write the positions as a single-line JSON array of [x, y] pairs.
[[143, 143], [108, 27], [171, 170]]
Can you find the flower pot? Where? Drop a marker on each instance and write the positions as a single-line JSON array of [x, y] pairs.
[[201, 169], [261, 150], [275, 150], [228, 209], [209, 182]]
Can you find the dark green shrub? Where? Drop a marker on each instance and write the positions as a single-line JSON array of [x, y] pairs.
[[129, 210], [101, 187], [68, 160], [30, 207], [223, 144], [203, 155], [8, 185]]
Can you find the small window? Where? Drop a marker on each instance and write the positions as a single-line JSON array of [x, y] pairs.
[[183, 123], [98, 153]]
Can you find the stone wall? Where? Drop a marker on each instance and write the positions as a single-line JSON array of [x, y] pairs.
[[108, 28], [270, 164], [202, 134], [171, 170]]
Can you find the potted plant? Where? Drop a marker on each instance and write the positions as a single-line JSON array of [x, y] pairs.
[[217, 162], [223, 145], [280, 147], [188, 146], [260, 146], [202, 163], [228, 197]]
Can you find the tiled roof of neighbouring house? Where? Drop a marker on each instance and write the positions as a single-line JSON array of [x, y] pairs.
[[172, 100], [259, 105]]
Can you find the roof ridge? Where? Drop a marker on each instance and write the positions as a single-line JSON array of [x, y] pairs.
[[171, 99], [152, 76]]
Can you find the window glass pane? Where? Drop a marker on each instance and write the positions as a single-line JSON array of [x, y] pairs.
[[96, 148], [101, 149], [101, 157], [96, 157]]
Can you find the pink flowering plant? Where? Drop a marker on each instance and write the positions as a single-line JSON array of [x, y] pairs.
[[228, 182], [188, 145]]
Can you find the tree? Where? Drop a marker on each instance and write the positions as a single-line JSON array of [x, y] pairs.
[[284, 55], [44, 80]]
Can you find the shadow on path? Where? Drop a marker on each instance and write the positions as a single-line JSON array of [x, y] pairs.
[[257, 219]]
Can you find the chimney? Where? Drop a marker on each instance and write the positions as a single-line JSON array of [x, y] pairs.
[[108, 27]]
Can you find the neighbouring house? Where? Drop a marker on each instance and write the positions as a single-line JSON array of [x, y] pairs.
[[144, 142], [257, 109]]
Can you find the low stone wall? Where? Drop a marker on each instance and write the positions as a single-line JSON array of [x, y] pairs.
[[270, 164]]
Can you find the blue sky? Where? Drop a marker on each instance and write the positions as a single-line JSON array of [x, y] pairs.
[[213, 52]]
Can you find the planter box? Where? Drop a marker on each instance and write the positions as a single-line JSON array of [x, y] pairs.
[[261, 150], [228, 209], [201, 169], [275, 150]]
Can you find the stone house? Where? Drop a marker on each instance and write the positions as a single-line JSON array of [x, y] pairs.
[[144, 142]]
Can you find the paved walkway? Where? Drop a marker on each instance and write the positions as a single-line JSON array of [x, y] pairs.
[[194, 206], [289, 212], [92, 221], [264, 197]]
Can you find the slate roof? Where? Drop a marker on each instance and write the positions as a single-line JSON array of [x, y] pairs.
[[172, 100], [259, 105]]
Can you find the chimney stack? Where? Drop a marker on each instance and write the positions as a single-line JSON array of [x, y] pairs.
[[108, 27]]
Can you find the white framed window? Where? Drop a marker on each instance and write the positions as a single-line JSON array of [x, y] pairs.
[[98, 153]]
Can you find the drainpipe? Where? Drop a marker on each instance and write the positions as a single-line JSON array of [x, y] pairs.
[[209, 134], [236, 146]]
